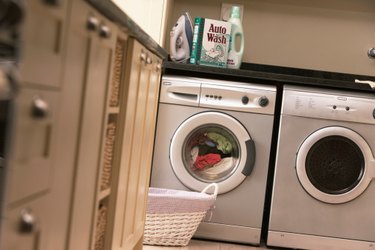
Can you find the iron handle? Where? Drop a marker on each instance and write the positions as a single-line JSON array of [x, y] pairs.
[[27, 221], [104, 31], [371, 53], [40, 108], [92, 23]]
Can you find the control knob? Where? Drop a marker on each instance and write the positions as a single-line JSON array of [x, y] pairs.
[[263, 101], [245, 100]]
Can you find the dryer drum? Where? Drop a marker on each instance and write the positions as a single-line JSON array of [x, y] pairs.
[[335, 165], [331, 164]]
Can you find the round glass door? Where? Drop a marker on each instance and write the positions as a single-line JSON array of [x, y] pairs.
[[211, 153], [211, 147], [331, 165]]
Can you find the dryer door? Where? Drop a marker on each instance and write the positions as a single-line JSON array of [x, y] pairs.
[[335, 164], [212, 147]]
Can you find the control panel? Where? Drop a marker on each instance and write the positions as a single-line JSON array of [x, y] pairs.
[[237, 98], [335, 105], [225, 95]]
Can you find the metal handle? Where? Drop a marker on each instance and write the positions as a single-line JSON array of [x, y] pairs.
[[92, 23], [104, 31], [53, 2], [371, 53], [40, 108], [27, 221]]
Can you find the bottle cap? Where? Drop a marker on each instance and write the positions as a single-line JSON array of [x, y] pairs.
[[235, 12]]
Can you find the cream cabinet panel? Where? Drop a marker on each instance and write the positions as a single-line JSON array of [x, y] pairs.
[[43, 31], [31, 160]]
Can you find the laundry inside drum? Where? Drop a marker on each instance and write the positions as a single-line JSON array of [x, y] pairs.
[[211, 153]]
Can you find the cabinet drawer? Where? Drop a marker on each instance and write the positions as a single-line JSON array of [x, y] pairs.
[[30, 163]]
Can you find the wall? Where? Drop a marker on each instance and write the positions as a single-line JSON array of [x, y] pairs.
[[148, 14], [323, 35]]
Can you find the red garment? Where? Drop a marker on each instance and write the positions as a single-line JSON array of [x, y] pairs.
[[207, 160]]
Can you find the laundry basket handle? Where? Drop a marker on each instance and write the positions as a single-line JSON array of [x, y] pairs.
[[216, 188]]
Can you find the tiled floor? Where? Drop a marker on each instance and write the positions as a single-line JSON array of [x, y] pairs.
[[207, 245]]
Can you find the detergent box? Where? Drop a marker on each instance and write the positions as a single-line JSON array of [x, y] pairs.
[[211, 41]]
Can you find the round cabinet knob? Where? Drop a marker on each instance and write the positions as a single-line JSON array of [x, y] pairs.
[[371, 53], [143, 56], [40, 108], [158, 67], [245, 100], [104, 31], [263, 101], [27, 221], [149, 60], [92, 23]]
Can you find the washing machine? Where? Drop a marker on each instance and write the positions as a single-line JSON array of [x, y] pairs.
[[213, 131], [324, 191]]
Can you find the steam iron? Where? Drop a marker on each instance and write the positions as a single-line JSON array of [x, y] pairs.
[[181, 38]]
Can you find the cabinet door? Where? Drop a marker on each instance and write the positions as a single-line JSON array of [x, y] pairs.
[[98, 48], [137, 142], [28, 226], [147, 140], [43, 33], [31, 159]]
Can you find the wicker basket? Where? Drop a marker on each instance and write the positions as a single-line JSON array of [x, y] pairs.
[[173, 216]]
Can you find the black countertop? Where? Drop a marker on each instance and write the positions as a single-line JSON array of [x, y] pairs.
[[115, 14], [275, 75]]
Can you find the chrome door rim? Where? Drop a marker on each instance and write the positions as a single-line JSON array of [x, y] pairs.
[[190, 124]]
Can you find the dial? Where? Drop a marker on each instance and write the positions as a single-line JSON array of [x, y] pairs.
[[263, 101]]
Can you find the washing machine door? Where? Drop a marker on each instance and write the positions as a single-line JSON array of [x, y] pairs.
[[335, 164], [212, 147]]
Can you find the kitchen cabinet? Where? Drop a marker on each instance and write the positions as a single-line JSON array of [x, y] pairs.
[[82, 133], [141, 81], [92, 42]]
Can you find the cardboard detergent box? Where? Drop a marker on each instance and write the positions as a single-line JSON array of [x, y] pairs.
[[210, 42]]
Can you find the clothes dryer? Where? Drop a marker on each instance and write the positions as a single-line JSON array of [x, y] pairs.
[[323, 190], [217, 131]]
